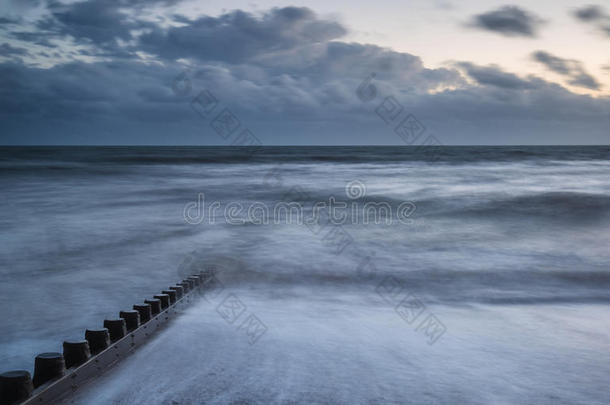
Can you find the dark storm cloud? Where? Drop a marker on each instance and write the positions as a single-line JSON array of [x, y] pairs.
[[8, 50], [288, 77], [102, 93], [494, 76], [238, 36], [7, 21], [589, 13], [596, 16], [131, 102], [509, 21], [100, 23], [572, 69], [39, 38]]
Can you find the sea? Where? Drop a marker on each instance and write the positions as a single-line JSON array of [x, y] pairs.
[[445, 275]]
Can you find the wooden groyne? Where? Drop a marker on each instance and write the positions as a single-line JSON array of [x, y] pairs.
[[56, 375]]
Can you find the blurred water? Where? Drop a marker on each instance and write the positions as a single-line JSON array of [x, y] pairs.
[[507, 248]]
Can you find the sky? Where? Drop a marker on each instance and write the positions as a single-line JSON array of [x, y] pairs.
[[185, 72]]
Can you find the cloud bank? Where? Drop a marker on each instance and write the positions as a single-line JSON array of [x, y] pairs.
[[286, 73]]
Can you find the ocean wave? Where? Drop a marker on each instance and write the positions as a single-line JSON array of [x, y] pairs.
[[560, 206]]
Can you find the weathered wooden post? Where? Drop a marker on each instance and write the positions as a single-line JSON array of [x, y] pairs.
[[76, 352], [196, 280], [116, 328], [145, 311], [132, 319], [155, 306], [99, 339], [15, 386], [179, 290], [48, 366], [172, 295], [190, 283], [164, 298]]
